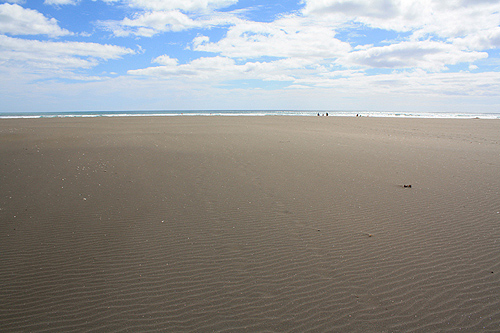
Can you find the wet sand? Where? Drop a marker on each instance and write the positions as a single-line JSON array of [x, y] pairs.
[[249, 224]]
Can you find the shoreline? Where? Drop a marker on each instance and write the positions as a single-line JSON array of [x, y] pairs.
[[249, 113]]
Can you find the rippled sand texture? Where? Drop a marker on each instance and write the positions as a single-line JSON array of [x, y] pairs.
[[262, 223]]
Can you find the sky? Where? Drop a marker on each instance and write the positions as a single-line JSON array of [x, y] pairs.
[[380, 55]]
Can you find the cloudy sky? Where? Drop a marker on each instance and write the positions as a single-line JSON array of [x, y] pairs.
[[389, 55]]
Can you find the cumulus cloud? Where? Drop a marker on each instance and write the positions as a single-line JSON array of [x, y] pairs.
[[428, 55], [151, 23], [19, 2], [165, 60], [444, 18], [484, 40], [201, 68], [411, 83], [313, 35], [16, 20], [287, 37], [441, 84], [370, 8], [219, 69], [305, 53], [43, 55], [302, 74], [306, 49], [60, 2], [184, 5]]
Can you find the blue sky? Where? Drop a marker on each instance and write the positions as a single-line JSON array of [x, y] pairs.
[[388, 55]]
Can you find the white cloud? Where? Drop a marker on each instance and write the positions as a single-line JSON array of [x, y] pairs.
[[60, 2], [441, 84], [157, 16], [33, 55], [484, 40], [201, 68], [298, 86], [199, 40], [444, 18], [165, 60], [428, 55], [219, 69], [16, 20], [151, 23], [411, 83], [303, 73], [184, 5], [287, 37], [384, 9], [412, 91], [297, 37], [308, 52]]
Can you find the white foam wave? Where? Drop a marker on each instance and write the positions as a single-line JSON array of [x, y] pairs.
[[436, 115]]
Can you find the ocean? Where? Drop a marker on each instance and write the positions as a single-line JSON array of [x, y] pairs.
[[4, 115]]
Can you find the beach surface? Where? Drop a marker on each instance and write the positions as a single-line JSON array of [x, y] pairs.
[[249, 224]]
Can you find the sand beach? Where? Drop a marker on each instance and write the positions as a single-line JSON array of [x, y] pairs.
[[277, 224]]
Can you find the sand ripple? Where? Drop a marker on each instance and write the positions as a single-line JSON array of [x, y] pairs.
[[256, 233]]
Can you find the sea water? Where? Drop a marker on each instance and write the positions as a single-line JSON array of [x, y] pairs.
[[248, 113]]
